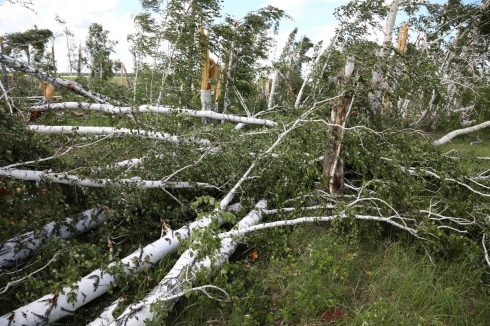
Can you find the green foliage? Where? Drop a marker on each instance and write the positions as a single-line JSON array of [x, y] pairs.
[[32, 42], [98, 48], [319, 273], [250, 41]]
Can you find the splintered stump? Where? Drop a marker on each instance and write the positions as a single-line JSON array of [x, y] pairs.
[[333, 164]]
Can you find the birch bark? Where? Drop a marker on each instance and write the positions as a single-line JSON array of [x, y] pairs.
[[374, 96], [58, 82], [53, 307], [14, 251], [184, 271], [275, 76], [150, 109], [445, 139], [114, 131], [63, 178], [333, 165]]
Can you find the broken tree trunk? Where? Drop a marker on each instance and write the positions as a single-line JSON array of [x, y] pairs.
[[149, 109], [57, 82], [53, 307], [171, 288], [15, 251], [333, 165], [205, 85]]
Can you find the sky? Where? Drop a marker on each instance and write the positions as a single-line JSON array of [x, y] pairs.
[[313, 18]]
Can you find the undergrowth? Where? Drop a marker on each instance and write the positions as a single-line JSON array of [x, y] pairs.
[[326, 279]]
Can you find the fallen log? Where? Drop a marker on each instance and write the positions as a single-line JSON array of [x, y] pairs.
[[57, 82], [63, 178], [171, 288], [445, 139], [53, 307], [149, 109], [115, 131], [13, 252]]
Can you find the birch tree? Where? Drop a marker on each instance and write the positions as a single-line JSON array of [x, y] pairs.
[[98, 48]]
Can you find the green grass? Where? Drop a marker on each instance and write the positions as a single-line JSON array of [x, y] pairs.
[[320, 278], [473, 148], [311, 275], [117, 80]]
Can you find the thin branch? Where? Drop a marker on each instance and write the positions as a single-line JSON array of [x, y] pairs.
[[11, 283], [485, 250]]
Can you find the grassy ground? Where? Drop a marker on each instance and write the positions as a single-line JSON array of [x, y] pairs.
[[313, 276], [327, 280], [478, 145]]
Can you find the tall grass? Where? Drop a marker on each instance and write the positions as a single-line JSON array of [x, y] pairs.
[[319, 279]]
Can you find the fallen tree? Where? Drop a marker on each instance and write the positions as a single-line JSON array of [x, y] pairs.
[[171, 288], [150, 109], [53, 307], [57, 82], [15, 251], [378, 179], [114, 131], [64, 178], [447, 138]]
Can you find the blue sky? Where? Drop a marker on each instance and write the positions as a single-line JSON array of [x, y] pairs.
[[312, 17]]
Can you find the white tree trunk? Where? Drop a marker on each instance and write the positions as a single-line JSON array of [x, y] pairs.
[[315, 66], [57, 82], [149, 109], [53, 307], [14, 251], [228, 76], [115, 131], [273, 88], [184, 271], [63, 178], [376, 78], [106, 317], [205, 102], [445, 139], [333, 165], [7, 99], [393, 220]]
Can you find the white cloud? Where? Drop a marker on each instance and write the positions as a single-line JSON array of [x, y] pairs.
[[295, 8], [325, 33], [312, 17], [78, 16]]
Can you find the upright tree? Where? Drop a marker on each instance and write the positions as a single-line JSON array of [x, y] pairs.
[[98, 48], [31, 43]]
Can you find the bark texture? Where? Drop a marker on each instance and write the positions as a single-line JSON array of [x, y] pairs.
[[64, 178], [53, 307], [447, 138], [149, 109], [115, 131], [333, 165], [15, 251], [57, 82], [184, 271]]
